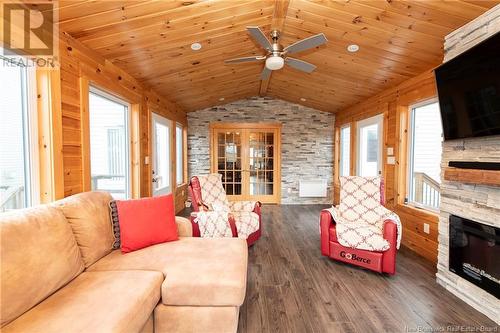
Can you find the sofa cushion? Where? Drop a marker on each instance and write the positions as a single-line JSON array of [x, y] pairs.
[[146, 221], [199, 271], [38, 256], [88, 216], [196, 319], [95, 302]]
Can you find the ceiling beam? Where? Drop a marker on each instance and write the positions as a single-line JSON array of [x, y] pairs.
[[277, 23]]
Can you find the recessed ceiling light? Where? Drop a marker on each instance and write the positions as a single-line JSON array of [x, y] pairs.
[[221, 99], [353, 48], [195, 46], [303, 99]]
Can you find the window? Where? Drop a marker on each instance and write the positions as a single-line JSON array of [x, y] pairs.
[[161, 168], [179, 154], [425, 147], [369, 148], [18, 139], [345, 151], [109, 144]]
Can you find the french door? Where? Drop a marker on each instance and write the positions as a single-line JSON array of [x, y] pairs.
[[161, 129], [369, 146], [248, 158]]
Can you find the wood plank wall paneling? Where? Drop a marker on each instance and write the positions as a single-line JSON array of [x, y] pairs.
[[78, 63], [393, 103]]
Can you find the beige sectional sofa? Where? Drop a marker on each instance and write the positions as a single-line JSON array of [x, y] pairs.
[[60, 274]]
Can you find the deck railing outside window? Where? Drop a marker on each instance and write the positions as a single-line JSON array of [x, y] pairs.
[[427, 190]]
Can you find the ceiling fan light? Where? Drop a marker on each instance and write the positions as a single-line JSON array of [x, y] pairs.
[[275, 62]]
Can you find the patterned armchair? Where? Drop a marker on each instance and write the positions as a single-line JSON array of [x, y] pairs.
[[360, 230], [214, 216]]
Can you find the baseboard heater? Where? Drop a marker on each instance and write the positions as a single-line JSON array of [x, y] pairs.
[[312, 188], [474, 165]]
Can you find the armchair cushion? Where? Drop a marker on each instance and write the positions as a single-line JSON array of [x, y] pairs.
[[245, 206], [213, 193], [213, 224], [247, 222]]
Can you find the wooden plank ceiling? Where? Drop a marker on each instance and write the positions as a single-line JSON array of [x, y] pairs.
[[151, 40]]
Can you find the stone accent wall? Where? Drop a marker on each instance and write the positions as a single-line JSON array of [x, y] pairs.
[[306, 141], [475, 202]]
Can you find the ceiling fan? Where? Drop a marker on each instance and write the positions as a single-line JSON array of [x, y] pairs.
[[277, 56]]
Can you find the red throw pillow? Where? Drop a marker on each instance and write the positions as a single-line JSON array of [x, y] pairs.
[[145, 222]]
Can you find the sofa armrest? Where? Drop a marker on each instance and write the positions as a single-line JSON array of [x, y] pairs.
[[325, 220], [184, 227], [391, 235]]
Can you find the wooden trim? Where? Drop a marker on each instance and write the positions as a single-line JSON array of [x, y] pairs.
[[185, 158], [149, 153], [135, 150], [401, 149], [264, 84], [385, 135], [50, 135], [85, 134], [336, 154], [353, 148], [472, 176]]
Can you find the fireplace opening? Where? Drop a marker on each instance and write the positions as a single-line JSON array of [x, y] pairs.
[[475, 253]]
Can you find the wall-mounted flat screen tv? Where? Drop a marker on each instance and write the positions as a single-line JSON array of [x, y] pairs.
[[469, 91]]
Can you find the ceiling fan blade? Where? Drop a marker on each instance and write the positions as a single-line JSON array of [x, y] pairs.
[[266, 73], [306, 43], [260, 37], [244, 59], [300, 65]]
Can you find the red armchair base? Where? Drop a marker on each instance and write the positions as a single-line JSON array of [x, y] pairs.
[[382, 262], [362, 258]]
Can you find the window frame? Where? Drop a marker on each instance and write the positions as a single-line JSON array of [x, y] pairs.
[[374, 120], [182, 155], [410, 155], [30, 136], [96, 90]]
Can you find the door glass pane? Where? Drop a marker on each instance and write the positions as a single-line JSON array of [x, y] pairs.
[[14, 140], [345, 151], [179, 153], [261, 151], [369, 150], [109, 148], [162, 159], [229, 161], [425, 156]]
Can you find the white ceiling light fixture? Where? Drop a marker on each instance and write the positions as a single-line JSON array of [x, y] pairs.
[[195, 46], [221, 99], [302, 99], [275, 62], [353, 48]]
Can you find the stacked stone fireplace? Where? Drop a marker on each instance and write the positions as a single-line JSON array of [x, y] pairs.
[[475, 202]]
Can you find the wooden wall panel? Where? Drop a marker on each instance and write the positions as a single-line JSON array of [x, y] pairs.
[[77, 63], [394, 102]]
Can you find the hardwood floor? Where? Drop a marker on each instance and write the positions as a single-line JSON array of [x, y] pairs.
[[292, 288]]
